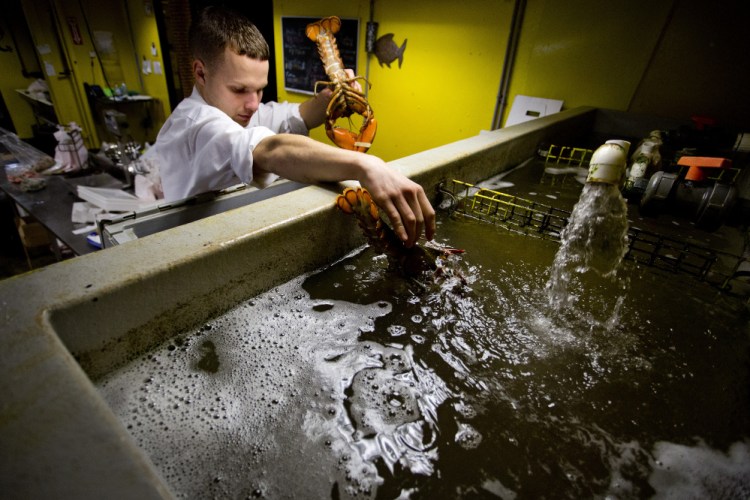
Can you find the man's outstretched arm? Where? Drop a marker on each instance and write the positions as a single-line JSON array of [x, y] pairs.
[[302, 159]]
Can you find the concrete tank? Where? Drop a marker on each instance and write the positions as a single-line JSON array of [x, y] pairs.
[[67, 324]]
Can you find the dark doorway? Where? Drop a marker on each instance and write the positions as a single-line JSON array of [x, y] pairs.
[[5, 121]]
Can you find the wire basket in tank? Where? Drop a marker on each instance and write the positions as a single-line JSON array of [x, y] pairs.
[[644, 247], [508, 211], [564, 161]]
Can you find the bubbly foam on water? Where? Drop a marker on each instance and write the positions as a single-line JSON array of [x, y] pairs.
[[696, 472], [205, 406], [211, 405]]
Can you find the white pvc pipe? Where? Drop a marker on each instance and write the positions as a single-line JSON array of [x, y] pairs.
[[608, 162]]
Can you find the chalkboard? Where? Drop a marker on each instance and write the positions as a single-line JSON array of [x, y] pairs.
[[302, 64]]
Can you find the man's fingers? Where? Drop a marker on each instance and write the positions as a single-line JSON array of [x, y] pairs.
[[408, 219], [428, 214], [405, 204], [396, 221], [355, 83]]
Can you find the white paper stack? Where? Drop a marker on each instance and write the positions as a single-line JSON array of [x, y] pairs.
[[112, 200]]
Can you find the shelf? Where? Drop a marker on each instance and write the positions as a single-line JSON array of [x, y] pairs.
[[33, 99], [43, 109]]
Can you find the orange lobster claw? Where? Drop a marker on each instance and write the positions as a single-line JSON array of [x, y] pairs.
[[346, 139]]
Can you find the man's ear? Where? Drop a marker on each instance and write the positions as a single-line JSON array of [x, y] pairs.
[[199, 72]]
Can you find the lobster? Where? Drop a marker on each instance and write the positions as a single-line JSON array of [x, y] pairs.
[[346, 99], [410, 262]]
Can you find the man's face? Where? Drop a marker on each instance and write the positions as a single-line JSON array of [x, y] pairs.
[[234, 84]]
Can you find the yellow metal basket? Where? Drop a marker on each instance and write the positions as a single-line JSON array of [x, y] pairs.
[[536, 219]]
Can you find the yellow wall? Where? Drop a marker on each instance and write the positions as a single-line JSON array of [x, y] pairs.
[[669, 57], [121, 66], [586, 52], [144, 33], [448, 84], [43, 25]]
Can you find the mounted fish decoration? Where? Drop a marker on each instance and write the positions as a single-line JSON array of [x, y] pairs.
[[387, 51]]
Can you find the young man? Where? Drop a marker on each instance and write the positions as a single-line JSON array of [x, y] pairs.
[[223, 135]]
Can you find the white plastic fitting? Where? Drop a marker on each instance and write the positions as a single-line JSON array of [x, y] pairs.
[[608, 162]]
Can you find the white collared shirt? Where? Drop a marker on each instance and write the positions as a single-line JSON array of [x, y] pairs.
[[200, 148]]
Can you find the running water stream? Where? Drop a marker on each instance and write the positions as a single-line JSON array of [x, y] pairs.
[[594, 241], [596, 238]]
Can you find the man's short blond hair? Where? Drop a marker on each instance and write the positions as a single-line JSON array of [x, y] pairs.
[[217, 28]]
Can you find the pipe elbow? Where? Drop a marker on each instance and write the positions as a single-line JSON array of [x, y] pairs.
[[608, 162]]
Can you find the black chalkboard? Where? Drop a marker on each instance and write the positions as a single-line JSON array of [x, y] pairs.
[[302, 64]]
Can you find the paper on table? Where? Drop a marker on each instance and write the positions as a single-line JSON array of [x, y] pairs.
[[110, 199]]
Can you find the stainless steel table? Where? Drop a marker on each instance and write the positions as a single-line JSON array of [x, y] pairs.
[[52, 207]]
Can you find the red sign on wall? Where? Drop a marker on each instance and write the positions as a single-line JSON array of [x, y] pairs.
[[75, 33]]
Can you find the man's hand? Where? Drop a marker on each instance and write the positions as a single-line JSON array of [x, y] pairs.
[[313, 111], [302, 159], [403, 201]]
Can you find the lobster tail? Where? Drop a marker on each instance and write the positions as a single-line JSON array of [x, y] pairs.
[[359, 203], [331, 24]]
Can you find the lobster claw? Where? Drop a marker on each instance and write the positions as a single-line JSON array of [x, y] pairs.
[[346, 139]]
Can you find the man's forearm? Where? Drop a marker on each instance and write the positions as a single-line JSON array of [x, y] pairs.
[[302, 159], [313, 111]]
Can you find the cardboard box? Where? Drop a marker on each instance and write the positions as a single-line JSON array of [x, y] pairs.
[[32, 233]]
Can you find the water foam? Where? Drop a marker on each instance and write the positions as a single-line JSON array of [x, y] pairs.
[[699, 471]]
